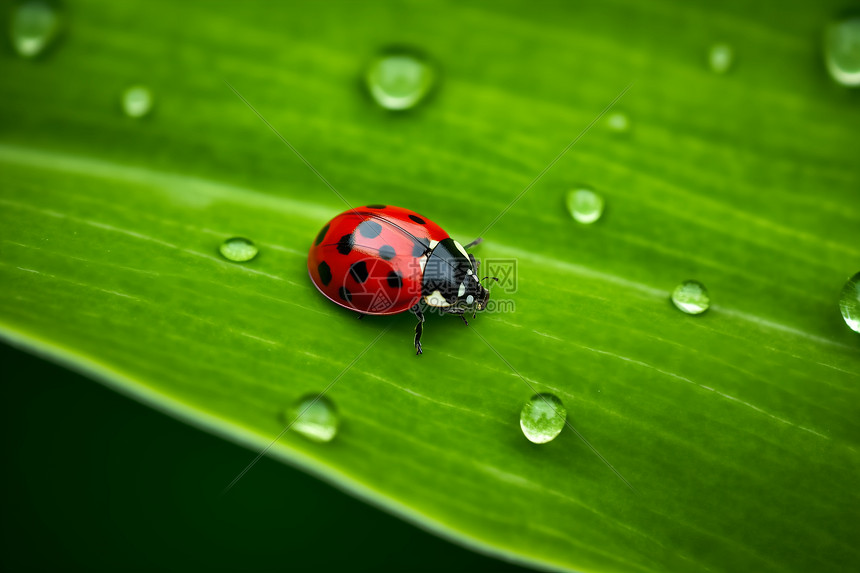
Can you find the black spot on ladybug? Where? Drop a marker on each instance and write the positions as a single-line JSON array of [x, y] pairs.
[[369, 229], [321, 236], [394, 280], [345, 294], [387, 252], [420, 247], [344, 245], [376, 206], [325, 273], [359, 271], [418, 219]]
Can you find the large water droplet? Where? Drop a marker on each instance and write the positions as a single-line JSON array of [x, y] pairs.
[[720, 58], [314, 417], [849, 303], [136, 101], [691, 297], [239, 249], [618, 121], [584, 205], [35, 24], [399, 79], [543, 418], [842, 50]]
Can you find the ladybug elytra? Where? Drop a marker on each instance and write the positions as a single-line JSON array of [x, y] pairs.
[[380, 260]]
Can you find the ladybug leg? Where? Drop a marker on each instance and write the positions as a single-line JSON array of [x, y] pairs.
[[463, 316], [360, 316], [474, 243], [419, 328]]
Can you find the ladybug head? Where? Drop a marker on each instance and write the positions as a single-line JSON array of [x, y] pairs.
[[450, 283], [472, 296]]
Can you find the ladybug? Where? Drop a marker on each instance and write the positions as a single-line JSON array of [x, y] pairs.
[[381, 259]]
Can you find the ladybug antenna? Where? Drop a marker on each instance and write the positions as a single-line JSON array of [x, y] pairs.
[[474, 243], [485, 278]]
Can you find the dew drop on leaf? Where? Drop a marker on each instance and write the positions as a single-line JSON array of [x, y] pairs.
[[691, 297], [399, 79], [542, 418], [842, 50], [849, 303], [314, 417], [584, 205], [239, 249], [136, 101], [720, 58], [34, 25], [618, 121]]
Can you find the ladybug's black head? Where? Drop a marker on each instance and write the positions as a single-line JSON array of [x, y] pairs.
[[474, 296], [450, 283]]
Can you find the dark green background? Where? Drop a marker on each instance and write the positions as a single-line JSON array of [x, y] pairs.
[[93, 481]]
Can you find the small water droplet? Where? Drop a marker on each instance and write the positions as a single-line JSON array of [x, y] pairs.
[[691, 297], [239, 249], [618, 121], [842, 50], [720, 58], [136, 101], [849, 303], [585, 205], [35, 24], [314, 417], [400, 78], [543, 418]]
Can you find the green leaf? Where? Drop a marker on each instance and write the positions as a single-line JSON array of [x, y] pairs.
[[737, 429]]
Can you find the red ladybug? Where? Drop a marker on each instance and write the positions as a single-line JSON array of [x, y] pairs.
[[382, 259]]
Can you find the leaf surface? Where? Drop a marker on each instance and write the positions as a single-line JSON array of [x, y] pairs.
[[737, 429]]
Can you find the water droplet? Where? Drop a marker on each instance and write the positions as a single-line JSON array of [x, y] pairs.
[[399, 79], [314, 417], [543, 418], [849, 303], [691, 297], [239, 249], [720, 58], [35, 24], [618, 121], [136, 101], [842, 50], [584, 205]]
